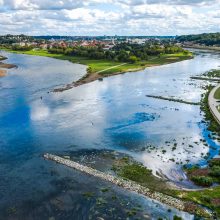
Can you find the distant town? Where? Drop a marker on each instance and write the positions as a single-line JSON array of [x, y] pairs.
[[106, 42], [24, 42]]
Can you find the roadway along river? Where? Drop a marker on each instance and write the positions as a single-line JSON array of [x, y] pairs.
[[113, 115]]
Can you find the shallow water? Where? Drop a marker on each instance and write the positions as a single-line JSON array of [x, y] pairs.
[[113, 114]]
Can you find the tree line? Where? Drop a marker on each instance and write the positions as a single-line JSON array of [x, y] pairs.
[[208, 39], [124, 52]]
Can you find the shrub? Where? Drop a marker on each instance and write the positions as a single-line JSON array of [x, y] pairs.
[[135, 172], [89, 69], [214, 162], [215, 171], [202, 180], [132, 59]]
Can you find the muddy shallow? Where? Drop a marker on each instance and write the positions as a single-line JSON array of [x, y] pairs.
[[113, 114]]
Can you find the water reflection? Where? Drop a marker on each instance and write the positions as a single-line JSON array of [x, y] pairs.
[[112, 114]]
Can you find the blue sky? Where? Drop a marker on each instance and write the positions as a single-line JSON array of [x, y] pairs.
[[109, 17]]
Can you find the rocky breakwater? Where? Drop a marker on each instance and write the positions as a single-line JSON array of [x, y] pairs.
[[126, 184]]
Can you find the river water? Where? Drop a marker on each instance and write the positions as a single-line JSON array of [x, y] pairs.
[[113, 115]]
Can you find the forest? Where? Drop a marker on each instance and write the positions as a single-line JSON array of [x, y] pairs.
[[124, 52], [208, 39]]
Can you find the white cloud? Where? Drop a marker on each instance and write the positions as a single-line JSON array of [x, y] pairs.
[[96, 17]]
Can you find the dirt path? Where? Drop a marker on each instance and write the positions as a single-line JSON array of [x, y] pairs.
[[110, 68]]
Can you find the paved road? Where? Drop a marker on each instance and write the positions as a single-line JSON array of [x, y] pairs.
[[212, 102]]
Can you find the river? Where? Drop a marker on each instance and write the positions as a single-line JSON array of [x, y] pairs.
[[113, 114]]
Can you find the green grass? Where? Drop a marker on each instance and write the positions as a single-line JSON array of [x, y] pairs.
[[132, 170], [203, 197], [217, 94], [99, 65], [213, 73]]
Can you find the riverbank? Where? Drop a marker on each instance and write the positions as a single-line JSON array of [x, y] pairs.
[[2, 73], [99, 69], [202, 47]]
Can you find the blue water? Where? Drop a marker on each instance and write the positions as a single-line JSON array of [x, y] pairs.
[[114, 114]]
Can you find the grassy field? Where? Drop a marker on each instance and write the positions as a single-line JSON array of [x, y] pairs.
[[217, 94], [209, 197]]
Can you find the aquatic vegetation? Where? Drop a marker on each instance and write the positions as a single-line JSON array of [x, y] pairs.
[[88, 194], [213, 73], [164, 151], [173, 148], [114, 197], [132, 212], [104, 190], [177, 217], [101, 201]]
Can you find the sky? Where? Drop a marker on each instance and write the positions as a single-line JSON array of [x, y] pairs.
[[109, 17]]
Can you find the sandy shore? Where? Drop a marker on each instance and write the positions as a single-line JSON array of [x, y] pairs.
[[7, 66], [2, 73]]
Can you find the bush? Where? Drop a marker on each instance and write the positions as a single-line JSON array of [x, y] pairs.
[[175, 217], [132, 59], [202, 180], [135, 172], [215, 171], [214, 162], [206, 198], [89, 69]]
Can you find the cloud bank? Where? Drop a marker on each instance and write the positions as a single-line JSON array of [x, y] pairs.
[[109, 17]]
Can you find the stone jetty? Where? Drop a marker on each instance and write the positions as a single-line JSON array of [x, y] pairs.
[[173, 99], [126, 184]]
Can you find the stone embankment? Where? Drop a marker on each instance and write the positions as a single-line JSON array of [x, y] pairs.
[[126, 184], [172, 99]]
